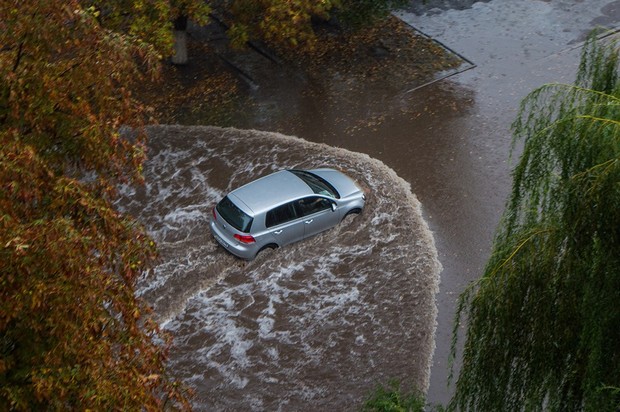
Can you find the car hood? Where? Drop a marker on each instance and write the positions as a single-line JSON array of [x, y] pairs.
[[341, 182]]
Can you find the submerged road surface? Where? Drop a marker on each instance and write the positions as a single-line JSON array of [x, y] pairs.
[[314, 325]]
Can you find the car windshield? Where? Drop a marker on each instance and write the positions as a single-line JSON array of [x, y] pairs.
[[236, 217], [318, 185]]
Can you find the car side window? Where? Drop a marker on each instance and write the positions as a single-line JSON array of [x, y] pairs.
[[279, 215], [310, 205]]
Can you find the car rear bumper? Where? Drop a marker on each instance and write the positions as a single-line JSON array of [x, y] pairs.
[[236, 248]]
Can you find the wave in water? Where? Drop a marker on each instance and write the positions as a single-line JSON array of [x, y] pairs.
[[314, 324]]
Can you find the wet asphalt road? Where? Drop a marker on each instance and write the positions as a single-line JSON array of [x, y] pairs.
[[516, 47]]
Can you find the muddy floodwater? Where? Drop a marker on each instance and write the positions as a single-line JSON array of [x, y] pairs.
[[319, 322]]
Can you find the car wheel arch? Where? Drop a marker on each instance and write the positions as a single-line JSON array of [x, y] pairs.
[[270, 246], [354, 211]]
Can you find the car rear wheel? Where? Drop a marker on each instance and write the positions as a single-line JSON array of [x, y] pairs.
[[270, 246]]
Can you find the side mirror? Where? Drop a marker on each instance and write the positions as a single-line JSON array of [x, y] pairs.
[[333, 206]]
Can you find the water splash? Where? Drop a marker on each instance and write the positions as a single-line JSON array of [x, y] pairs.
[[319, 322]]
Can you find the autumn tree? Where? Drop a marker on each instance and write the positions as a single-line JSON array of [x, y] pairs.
[[152, 21], [72, 332], [289, 23], [544, 320], [181, 12]]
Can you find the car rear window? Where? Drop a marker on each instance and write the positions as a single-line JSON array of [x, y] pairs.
[[236, 217], [318, 185]]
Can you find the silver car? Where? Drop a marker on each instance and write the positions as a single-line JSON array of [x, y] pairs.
[[282, 208]]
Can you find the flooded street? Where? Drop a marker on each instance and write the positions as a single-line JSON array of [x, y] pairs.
[[318, 324]]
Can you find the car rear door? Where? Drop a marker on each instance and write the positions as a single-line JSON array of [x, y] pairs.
[[283, 224], [317, 214]]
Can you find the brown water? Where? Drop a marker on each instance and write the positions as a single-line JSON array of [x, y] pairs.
[[319, 322]]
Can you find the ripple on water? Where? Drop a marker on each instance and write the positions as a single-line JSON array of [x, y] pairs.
[[318, 323]]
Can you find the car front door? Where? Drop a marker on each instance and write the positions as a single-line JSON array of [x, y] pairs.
[[317, 214], [283, 224]]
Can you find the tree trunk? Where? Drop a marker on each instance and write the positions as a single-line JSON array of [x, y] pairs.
[[180, 41]]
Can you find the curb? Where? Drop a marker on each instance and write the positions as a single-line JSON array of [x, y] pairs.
[[468, 63]]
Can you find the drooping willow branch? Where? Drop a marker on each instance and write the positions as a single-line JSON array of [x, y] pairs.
[[543, 321]]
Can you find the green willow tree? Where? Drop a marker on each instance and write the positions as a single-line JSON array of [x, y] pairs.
[[544, 320], [72, 333]]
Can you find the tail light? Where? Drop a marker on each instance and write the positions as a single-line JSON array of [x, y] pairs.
[[245, 238], [214, 216]]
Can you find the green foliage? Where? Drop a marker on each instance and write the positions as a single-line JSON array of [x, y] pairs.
[[544, 320], [149, 20], [290, 23], [391, 399], [280, 23], [72, 333]]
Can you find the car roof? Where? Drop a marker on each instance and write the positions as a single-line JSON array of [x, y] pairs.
[[269, 191]]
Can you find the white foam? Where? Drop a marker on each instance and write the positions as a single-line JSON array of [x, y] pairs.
[[301, 308]]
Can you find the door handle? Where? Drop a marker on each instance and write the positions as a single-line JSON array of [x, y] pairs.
[[308, 221], [277, 232]]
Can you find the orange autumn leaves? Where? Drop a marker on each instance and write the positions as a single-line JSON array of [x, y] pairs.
[[72, 333]]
